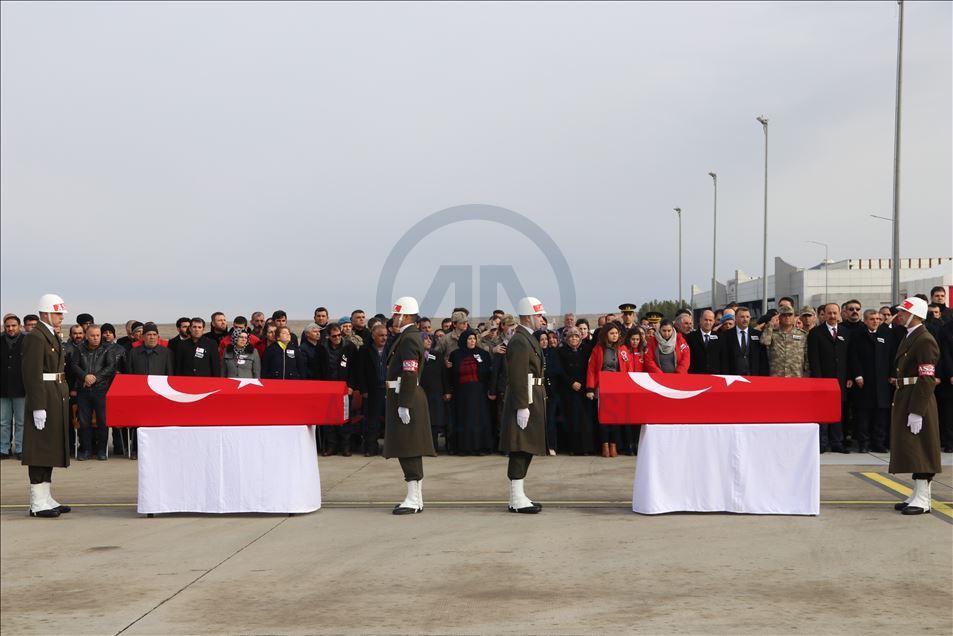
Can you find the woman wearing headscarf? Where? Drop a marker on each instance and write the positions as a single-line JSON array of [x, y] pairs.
[[576, 409], [552, 374], [609, 355], [240, 359], [666, 350], [283, 360], [468, 380]]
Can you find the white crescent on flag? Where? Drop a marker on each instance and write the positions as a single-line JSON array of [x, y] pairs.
[[646, 381], [160, 385]]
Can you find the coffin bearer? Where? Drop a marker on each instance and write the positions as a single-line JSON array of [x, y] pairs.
[[45, 433], [407, 420], [914, 423], [523, 428]]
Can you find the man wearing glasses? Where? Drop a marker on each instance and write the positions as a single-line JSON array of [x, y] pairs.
[[340, 356], [853, 322]]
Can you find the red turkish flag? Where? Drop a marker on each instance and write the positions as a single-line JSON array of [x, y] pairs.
[[160, 400], [677, 398]]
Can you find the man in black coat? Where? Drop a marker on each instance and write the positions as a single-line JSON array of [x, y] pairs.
[[12, 393], [827, 358], [742, 346], [149, 359], [944, 390], [707, 348], [372, 365], [870, 365], [198, 356], [337, 361]]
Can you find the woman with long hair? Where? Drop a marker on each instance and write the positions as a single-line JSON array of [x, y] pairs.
[[666, 350], [283, 360], [609, 355]]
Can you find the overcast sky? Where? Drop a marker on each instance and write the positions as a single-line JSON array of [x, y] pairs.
[[178, 158]]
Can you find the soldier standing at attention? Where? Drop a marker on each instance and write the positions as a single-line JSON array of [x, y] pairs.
[[914, 422], [407, 420], [523, 428], [786, 346], [45, 434]]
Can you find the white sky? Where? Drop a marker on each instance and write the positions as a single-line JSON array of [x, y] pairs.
[[178, 158]]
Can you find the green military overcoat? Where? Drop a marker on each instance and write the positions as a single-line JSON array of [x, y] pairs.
[[43, 353], [406, 362], [917, 357], [524, 358]]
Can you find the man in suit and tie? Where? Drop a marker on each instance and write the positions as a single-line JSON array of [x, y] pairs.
[[743, 354], [870, 360], [707, 351], [827, 358]]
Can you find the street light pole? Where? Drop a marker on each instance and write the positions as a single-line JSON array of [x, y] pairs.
[[764, 260], [714, 240], [827, 262], [678, 211], [895, 270]]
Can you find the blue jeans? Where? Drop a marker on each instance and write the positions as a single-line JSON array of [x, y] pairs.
[[11, 413]]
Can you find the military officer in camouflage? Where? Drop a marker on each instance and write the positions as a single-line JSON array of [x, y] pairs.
[[407, 416], [786, 346], [523, 428]]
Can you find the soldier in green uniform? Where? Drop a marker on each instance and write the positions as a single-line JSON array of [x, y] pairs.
[[523, 428], [407, 421], [786, 346], [914, 422], [45, 430]]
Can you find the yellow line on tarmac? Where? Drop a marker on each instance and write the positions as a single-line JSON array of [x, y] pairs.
[[939, 506]]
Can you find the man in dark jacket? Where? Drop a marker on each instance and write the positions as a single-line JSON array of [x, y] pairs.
[[870, 359], [707, 348], [12, 394], [92, 367], [742, 346], [371, 370], [199, 355], [827, 358], [182, 327], [149, 359], [338, 359]]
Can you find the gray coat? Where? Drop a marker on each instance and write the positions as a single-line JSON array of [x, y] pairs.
[[43, 353], [406, 361], [917, 357], [246, 364], [524, 357]]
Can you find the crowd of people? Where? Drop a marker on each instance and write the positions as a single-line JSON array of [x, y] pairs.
[[464, 374]]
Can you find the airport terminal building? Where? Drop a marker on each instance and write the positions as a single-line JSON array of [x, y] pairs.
[[866, 279]]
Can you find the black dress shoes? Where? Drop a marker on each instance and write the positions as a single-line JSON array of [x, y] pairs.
[[900, 506], [399, 510], [52, 513], [913, 510], [527, 510], [62, 509]]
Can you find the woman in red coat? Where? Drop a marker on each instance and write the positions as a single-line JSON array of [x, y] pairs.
[[666, 351], [610, 354], [635, 341]]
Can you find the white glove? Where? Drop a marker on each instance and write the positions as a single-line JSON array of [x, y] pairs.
[[404, 414], [39, 419], [914, 423], [522, 418]]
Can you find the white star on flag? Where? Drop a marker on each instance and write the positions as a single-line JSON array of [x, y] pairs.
[[246, 381]]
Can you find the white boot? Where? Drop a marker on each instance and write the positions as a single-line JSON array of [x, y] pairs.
[[519, 502], [39, 506], [412, 503], [420, 494], [53, 503], [920, 503], [906, 502]]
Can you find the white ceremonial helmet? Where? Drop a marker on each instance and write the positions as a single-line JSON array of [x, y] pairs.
[[915, 306], [406, 306], [530, 306], [51, 304]]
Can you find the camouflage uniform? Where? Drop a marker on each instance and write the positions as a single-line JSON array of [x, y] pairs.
[[787, 352]]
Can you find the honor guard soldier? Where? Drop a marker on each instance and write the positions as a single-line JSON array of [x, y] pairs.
[[628, 317], [407, 420], [523, 428], [914, 422], [45, 431]]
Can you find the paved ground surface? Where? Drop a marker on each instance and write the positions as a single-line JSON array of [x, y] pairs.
[[587, 564]]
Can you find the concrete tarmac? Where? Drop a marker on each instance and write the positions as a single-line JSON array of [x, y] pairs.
[[585, 565]]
